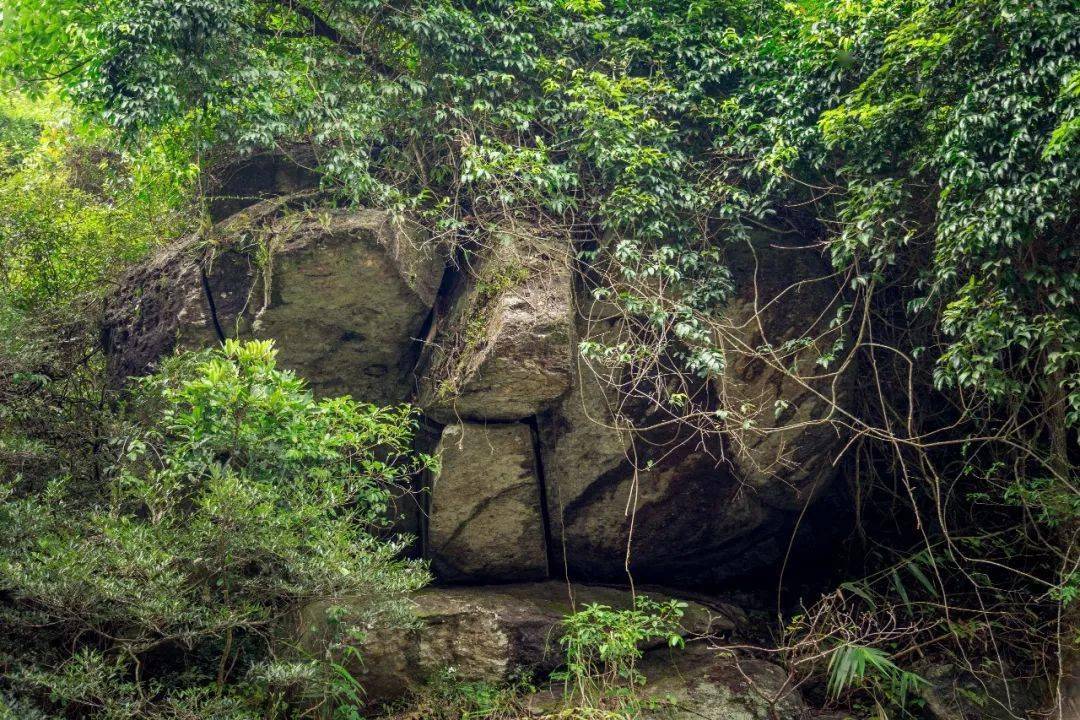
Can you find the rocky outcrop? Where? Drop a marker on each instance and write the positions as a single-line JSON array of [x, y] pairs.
[[484, 633], [486, 521], [597, 489], [345, 294], [159, 306], [503, 349]]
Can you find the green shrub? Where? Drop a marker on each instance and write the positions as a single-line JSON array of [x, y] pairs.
[[236, 498], [603, 646], [853, 666]]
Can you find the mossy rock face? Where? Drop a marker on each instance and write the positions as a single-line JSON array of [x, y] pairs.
[[503, 349], [487, 633], [344, 293]]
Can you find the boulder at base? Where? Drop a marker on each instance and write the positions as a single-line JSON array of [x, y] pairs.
[[485, 518], [485, 633], [502, 351], [701, 683], [344, 293]]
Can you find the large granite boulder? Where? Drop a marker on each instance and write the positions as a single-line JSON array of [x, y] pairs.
[[503, 348], [486, 519], [680, 506], [344, 293], [485, 633]]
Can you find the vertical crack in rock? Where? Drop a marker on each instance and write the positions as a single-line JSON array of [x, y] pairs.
[[211, 304], [486, 522], [424, 344], [352, 289], [545, 519]]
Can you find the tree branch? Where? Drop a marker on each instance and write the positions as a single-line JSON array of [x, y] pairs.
[[321, 28]]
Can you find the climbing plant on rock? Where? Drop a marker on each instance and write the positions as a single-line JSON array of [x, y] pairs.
[[929, 148]]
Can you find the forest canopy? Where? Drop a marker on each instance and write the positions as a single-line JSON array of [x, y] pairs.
[[929, 149]]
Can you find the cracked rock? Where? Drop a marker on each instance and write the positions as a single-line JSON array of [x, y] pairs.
[[344, 293], [503, 350], [486, 522]]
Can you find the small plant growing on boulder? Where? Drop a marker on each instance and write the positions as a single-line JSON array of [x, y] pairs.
[[602, 648]]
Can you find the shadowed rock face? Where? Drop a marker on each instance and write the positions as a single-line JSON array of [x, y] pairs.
[[486, 521], [683, 517], [782, 294], [345, 293], [701, 511]]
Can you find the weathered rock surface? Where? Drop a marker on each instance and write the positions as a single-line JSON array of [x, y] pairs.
[[782, 294], [486, 521], [484, 633], [503, 350], [691, 509], [345, 294], [702, 683], [684, 519]]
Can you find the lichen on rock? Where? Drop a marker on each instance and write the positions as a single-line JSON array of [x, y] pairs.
[[503, 349], [344, 293]]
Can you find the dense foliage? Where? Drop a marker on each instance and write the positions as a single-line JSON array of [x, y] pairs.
[[73, 210], [153, 543], [929, 148], [156, 589]]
